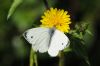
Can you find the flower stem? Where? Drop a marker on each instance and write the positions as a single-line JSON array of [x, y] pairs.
[[46, 4], [61, 59], [33, 58]]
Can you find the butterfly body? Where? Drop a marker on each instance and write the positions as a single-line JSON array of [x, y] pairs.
[[46, 40]]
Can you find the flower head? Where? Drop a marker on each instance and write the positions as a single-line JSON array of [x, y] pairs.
[[56, 18]]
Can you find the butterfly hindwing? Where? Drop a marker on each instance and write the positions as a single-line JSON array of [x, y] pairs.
[[58, 42]]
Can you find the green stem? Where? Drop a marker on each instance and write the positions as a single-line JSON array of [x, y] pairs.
[[61, 59], [46, 4], [33, 58]]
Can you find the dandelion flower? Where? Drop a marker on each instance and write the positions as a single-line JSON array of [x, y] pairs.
[[56, 18]]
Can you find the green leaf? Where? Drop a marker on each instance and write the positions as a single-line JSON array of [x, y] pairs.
[[68, 49], [13, 7], [79, 48], [89, 32]]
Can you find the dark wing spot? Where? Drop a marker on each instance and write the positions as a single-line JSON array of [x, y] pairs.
[[31, 36], [62, 43]]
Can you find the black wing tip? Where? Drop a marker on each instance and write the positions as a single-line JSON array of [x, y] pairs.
[[25, 34]]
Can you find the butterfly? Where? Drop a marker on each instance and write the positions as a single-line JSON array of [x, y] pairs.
[[48, 40]]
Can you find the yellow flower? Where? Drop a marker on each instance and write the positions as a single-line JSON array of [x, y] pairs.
[[56, 18]]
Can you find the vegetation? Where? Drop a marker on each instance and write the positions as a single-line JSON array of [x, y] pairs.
[[16, 16]]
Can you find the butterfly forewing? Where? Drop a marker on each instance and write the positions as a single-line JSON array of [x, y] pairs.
[[39, 38]]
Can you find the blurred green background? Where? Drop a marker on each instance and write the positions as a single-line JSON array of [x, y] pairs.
[[14, 50]]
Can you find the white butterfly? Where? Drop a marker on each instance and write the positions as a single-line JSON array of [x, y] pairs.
[[46, 40]]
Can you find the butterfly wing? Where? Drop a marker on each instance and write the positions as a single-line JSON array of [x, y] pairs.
[[39, 38], [58, 42]]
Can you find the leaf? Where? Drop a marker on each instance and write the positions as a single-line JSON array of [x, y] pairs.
[[68, 49], [89, 32], [79, 48], [78, 45], [13, 7]]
